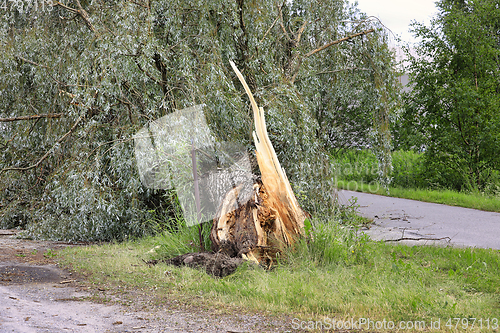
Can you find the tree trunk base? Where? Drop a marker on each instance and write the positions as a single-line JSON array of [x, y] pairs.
[[254, 224], [253, 230]]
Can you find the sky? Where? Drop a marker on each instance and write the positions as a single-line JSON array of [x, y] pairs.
[[397, 14]]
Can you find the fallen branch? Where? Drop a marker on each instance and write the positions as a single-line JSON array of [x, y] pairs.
[[448, 239], [36, 116]]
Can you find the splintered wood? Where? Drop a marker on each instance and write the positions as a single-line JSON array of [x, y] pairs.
[[272, 219]]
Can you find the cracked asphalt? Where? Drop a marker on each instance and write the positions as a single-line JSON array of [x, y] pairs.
[[396, 218]]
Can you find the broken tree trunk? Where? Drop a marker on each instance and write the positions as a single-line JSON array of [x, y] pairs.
[[272, 219], [254, 227]]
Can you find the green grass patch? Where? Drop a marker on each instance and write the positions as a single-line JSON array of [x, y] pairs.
[[357, 170], [447, 197], [338, 274]]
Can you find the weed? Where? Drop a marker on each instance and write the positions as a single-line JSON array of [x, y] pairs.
[[49, 254]]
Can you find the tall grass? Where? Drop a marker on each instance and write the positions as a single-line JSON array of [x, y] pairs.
[[357, 170], [362, 166], [408, 170]]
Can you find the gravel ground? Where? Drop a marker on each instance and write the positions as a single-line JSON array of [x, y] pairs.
[[38, 296]]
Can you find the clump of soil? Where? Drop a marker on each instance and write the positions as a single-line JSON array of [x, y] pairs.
[[216, 264]]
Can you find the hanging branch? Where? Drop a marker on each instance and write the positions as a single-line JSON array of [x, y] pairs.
[[299, 62], [80, 12], [36, 116], [338, 41], [61, 139]]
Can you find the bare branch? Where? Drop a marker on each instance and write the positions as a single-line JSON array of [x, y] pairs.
[[159, 82], [36, 116], [61, 139], [140, 4], [338, 41], [74, 11], [69, 19], [282, 24], [403, 238], [80, 12], [343, 70], [448, 239], [272, 25], [299, 33], [32, 62]]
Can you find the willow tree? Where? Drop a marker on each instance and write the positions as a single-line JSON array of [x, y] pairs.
[[79, 78]]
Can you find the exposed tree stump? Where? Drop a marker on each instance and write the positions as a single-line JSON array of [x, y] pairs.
[[272, 219], [255, 227], [253, 231]]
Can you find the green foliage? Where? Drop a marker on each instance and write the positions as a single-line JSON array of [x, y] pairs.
[[362, 166], [452, 109], [73, 177], [357, 170], [358, 165], [49, 254], [408, 169]]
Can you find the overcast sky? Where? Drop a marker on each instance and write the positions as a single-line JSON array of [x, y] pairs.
[[397, 14]]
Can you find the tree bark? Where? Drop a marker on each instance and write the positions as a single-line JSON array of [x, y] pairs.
[[255, 231]]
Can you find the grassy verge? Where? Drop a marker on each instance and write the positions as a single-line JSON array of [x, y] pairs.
[[336, 275], [447, 197]]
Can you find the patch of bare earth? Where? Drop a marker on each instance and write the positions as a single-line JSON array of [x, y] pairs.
[[39, 296]]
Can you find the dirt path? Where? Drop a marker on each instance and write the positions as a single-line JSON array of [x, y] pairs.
[[396, 218], [38, 296]]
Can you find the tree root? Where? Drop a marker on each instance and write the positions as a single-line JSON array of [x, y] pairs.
[[215, 264]]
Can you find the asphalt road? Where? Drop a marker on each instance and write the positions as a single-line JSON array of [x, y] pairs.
[[396, 218]]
